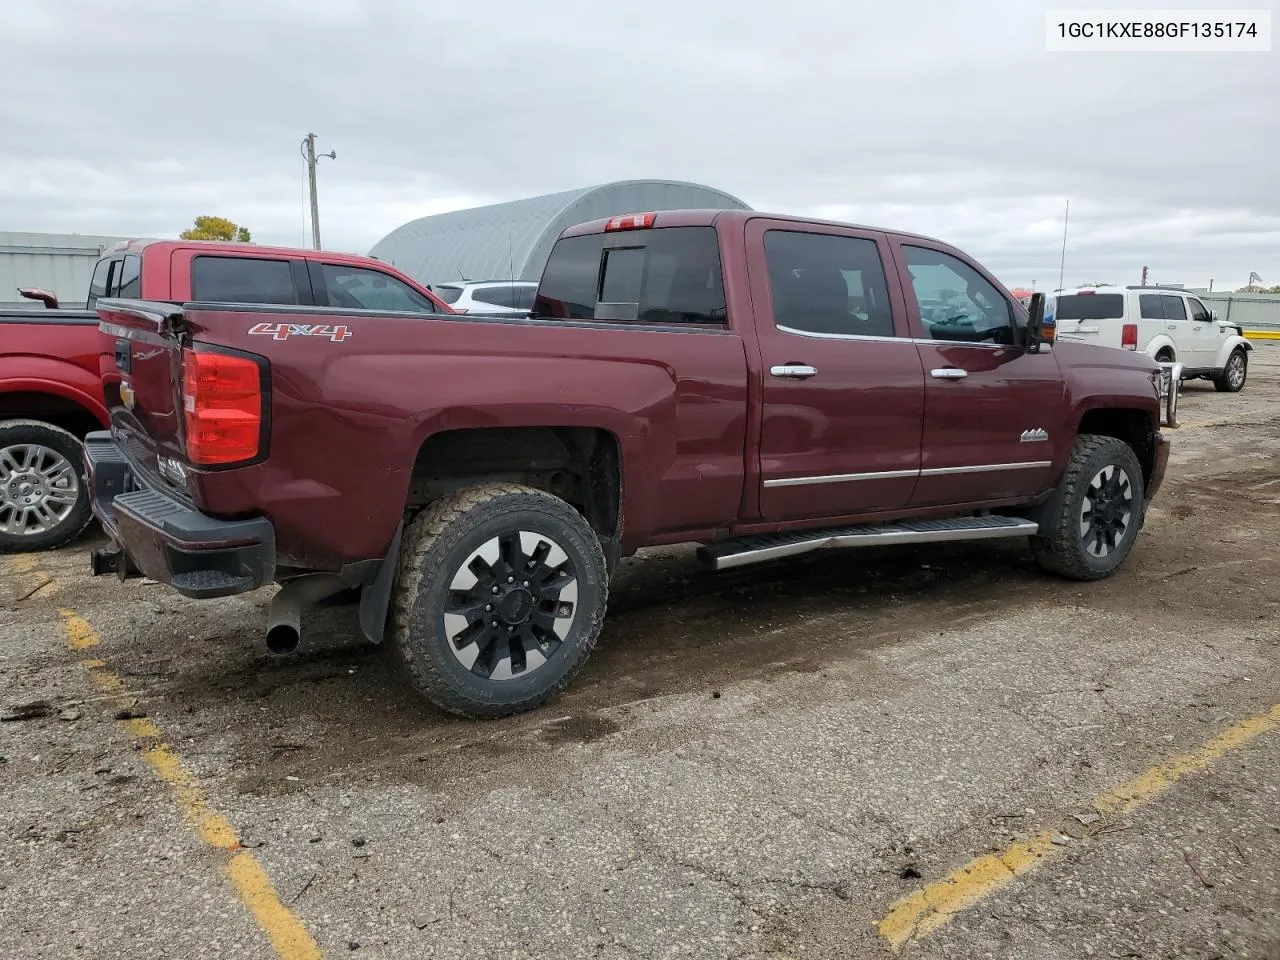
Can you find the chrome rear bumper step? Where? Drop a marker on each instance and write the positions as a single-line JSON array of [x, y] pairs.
[[738, 553]]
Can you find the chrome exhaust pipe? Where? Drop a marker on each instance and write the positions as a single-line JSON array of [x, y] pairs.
[[284, 621]]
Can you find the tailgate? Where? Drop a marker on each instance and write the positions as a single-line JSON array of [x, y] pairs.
[[141, 365]]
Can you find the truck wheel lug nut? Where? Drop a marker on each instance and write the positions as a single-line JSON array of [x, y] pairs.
[[488, 607], [511, 579], [495, 589], [526, 583]]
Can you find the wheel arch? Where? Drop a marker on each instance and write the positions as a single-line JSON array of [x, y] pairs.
[[58, 404], [581, 465], [1130, 425], [1160, 344]]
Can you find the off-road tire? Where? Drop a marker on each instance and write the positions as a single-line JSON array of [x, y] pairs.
[[38, 433], [435, 546], [1222, 382], [1059, 547]]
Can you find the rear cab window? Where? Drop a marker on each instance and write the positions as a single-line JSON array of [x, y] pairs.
[[662, 275]]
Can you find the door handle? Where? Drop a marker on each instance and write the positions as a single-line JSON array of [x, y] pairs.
[[794, 371], [949, 373]]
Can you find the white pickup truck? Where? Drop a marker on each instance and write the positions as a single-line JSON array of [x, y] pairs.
[[1166, 323]]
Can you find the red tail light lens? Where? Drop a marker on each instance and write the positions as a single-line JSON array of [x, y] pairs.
[[1129, 336], [222, 408]]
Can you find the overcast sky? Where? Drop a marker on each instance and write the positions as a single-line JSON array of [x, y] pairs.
[[131, 118]]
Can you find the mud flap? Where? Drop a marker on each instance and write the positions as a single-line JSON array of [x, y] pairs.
[[375, 599]]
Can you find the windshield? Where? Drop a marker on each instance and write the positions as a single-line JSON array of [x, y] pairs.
[[1090, 306]]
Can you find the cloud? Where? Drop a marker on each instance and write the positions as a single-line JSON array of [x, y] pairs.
[[945, 118]]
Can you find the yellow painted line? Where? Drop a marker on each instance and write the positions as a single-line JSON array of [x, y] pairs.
[[285, 931], [1262, 334], [1149, 784], [80, 636], [213, 829], [928, 908], [287, 934]]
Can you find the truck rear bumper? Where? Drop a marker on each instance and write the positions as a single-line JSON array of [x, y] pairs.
[[161, 537]]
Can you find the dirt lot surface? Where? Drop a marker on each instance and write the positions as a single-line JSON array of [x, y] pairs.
[[765, 763]]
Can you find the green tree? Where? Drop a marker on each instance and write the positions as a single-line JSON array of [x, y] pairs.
[[216, 228]]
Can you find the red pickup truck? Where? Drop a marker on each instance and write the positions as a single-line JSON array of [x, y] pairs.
[[50, 397], [761, 385], [50, 377]]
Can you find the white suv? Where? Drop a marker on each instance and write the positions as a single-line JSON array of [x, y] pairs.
[[488, 296], [1165, 323]]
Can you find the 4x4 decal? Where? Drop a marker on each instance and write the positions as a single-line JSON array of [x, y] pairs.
[[282, 331]]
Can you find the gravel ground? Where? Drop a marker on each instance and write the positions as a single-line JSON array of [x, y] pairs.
[[754, 764]]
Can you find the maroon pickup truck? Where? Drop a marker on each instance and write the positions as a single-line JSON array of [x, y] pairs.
[[761, 385]]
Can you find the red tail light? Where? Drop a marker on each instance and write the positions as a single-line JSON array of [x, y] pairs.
[[1129, 336], [632, 221], [222, 408]]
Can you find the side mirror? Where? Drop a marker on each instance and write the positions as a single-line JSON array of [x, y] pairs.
[[44, 296], [1041, 328]]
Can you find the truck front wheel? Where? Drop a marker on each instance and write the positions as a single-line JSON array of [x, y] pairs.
[[500, 597], [1095, 513]]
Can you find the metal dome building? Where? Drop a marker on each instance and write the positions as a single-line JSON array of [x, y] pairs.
[[513, 240]]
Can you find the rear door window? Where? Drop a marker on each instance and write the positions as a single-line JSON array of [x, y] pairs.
[[667, 275], [827, 284], [242, 280], [1089, 306], [1150, 306], [356, 288], [1173, 308]]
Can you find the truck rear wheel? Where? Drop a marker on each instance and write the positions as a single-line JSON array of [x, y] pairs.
[[500, 597], [1097, 511], [44, 499]]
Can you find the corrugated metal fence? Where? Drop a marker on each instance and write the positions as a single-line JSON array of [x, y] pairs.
[[62, 263], [1257, 312]]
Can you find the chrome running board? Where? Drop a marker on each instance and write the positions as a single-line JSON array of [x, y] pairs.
[[738, 553]]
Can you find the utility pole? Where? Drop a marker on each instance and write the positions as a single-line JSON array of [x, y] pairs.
[[1062, 267], [309, 154]]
